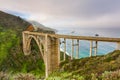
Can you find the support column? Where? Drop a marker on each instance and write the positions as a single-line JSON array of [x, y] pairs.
[[64, 49], [58, 50], [72, 49], [96, 46], [25, 46], [55, 61], [46, 56], [24, 43], [52, 54], [91, 46], [118, 46], [77, 52]]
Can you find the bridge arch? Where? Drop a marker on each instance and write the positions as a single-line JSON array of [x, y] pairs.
[[36, 59], [48, 48], [38, 41]]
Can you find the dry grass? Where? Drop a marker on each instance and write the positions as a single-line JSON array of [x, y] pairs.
[[4, 76], [22, 76]]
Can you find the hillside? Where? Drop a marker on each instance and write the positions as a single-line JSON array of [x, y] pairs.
[[16, 23], [105, 67], [12, 58], [13, 61], [41, 28], [9, 21]]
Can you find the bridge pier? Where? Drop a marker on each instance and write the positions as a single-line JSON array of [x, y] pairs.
[[91, 46], [58, 42], [95, 48], [72, 49], [77, 51], [118, 46], [52, 54], [26, 43], [46, 56], [64, 49]]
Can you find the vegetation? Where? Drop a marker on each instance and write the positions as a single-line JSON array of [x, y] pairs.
[[12, 59], [8, 21], [15, 66], [93, 68], [7, 40]]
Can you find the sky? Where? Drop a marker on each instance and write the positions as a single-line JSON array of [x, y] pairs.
[[67, 14]]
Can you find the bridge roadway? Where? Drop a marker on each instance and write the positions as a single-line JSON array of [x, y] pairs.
[[91, 38]]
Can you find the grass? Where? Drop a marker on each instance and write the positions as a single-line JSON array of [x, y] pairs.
[[91, 68], [15, 66]]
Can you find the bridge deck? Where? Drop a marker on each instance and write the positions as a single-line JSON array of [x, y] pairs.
[[105, 39]]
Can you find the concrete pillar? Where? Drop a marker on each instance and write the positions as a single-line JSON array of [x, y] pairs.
[[46, 55], [64, 49], [118, 46], [52, 60], [95, 49], [72, 49], [24, 44], [77, 51], [91, 46], [58, 42], [55, 54], [25, 47]]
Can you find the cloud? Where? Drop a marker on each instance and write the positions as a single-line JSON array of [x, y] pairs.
[[79, 13]]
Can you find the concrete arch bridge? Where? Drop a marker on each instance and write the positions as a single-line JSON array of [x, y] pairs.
[[49, 46]]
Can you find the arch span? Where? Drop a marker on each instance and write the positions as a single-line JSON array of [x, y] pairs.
[[38, 42], [48, 48]]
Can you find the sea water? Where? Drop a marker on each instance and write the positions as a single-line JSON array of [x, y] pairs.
[[84, 47]]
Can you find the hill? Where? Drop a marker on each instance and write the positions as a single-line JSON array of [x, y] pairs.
[[41, 28], [12, 58], [105, 67], [13, 61], [16, 23], [9, 21]]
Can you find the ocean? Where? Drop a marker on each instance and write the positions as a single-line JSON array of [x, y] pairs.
[[84, 47]]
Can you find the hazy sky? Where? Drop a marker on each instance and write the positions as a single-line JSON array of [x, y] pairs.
[[67, 13]]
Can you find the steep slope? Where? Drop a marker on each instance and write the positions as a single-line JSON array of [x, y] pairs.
[[12, 58], [16, 23], [91, 68], [40, 27], [9, 21]]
